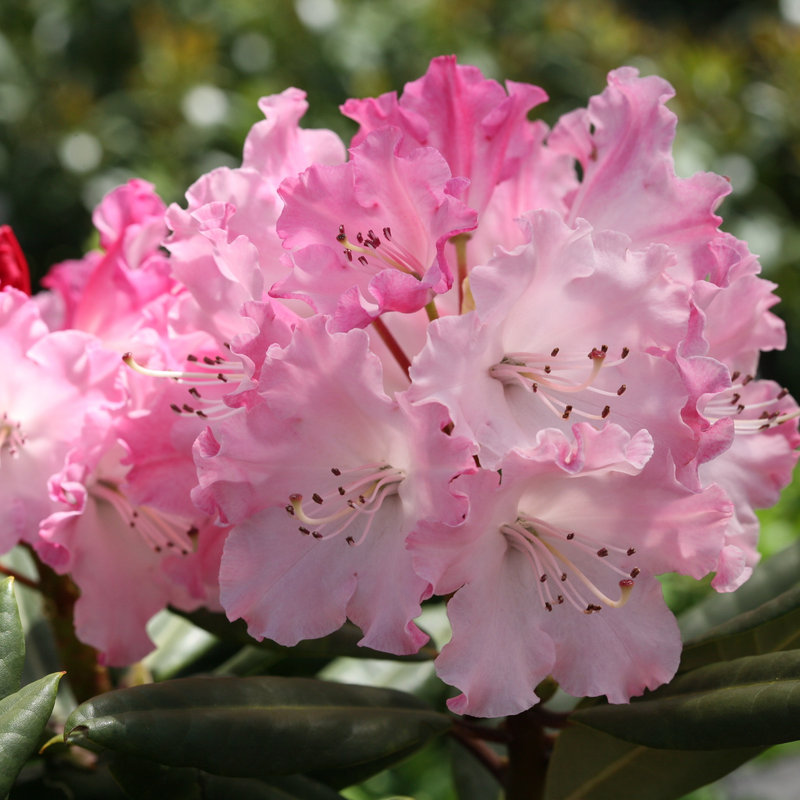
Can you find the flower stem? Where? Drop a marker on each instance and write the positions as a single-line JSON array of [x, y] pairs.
[[19, 577], [528, 756], [460, 243], [86, 676], [431, 311], [494, 763], [394, 347]]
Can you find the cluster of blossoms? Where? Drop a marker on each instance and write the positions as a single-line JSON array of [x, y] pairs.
[[475, 358]]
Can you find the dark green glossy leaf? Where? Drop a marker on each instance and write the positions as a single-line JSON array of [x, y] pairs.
[[343, 642], [589, 765], [23, 717], [258, 727], [748, 702], [472, 780], [12, 640], [145, 780], [770, 579], [771, 627]]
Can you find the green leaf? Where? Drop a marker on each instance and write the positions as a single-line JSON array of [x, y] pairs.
[[23, 717], [472, 780], [260, 726], [12, 640], [769, 579], [142, 779], [589, 765], [343, 642], [771, 627], [748, 702]]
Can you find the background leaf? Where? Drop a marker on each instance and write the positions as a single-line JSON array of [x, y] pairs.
[[145, 780], [343, 642], [23, 718], [472, 780], [771, 627], [258, 727], [748, 702], [589, 765], [12, 640]]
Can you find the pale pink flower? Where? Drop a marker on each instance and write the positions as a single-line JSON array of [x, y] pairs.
[[323, 481], [49, 382], [553, 570]]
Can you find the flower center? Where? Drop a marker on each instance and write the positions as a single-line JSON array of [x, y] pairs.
[[359, 495], [557, 374], [748, 418], [159, 531], [545, 547], [374, 253], [11, 436], [209, 372]]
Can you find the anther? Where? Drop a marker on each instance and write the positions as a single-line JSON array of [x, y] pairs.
[[560, 599], [363, 260], [554, 353], [740, 408], [543, 578], [602, 552], [606, 411], [782, 394], [631, 551], [621, 390], [222, 378], [194, 392], [570, 536], [316, 534], [764, 415], [336, 472], [567, 412], [175, 408], [604, 348], [735, 375], [625, 352], [304, 531], [563, 576], [290, 510], [548, 606], [350, 540], [747, 379], [635, 571], [209, 361], [547, 368], [201, 414], [192, 358], [387, 232], [349, 255], [735, 398], [316, 498], [188, 408], [341, 491]]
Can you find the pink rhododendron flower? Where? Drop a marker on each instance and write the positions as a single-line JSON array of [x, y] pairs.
[[553, 570], [49, 383], [320, 520], [387, 216]]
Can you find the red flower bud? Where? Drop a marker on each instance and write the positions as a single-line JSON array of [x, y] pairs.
[[13, 266]]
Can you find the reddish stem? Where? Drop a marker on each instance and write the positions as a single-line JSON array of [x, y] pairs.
[[12, 573], [394, 347], [494, 763]]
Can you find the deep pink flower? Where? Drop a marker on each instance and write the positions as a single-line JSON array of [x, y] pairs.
[[471, 121], [371, 233]]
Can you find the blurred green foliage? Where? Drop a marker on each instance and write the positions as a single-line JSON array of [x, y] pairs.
[[95, 91]]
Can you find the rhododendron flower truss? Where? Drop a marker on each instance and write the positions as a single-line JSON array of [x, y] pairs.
[[563, 330], [372, 231], [323, 481], [553, 570]]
